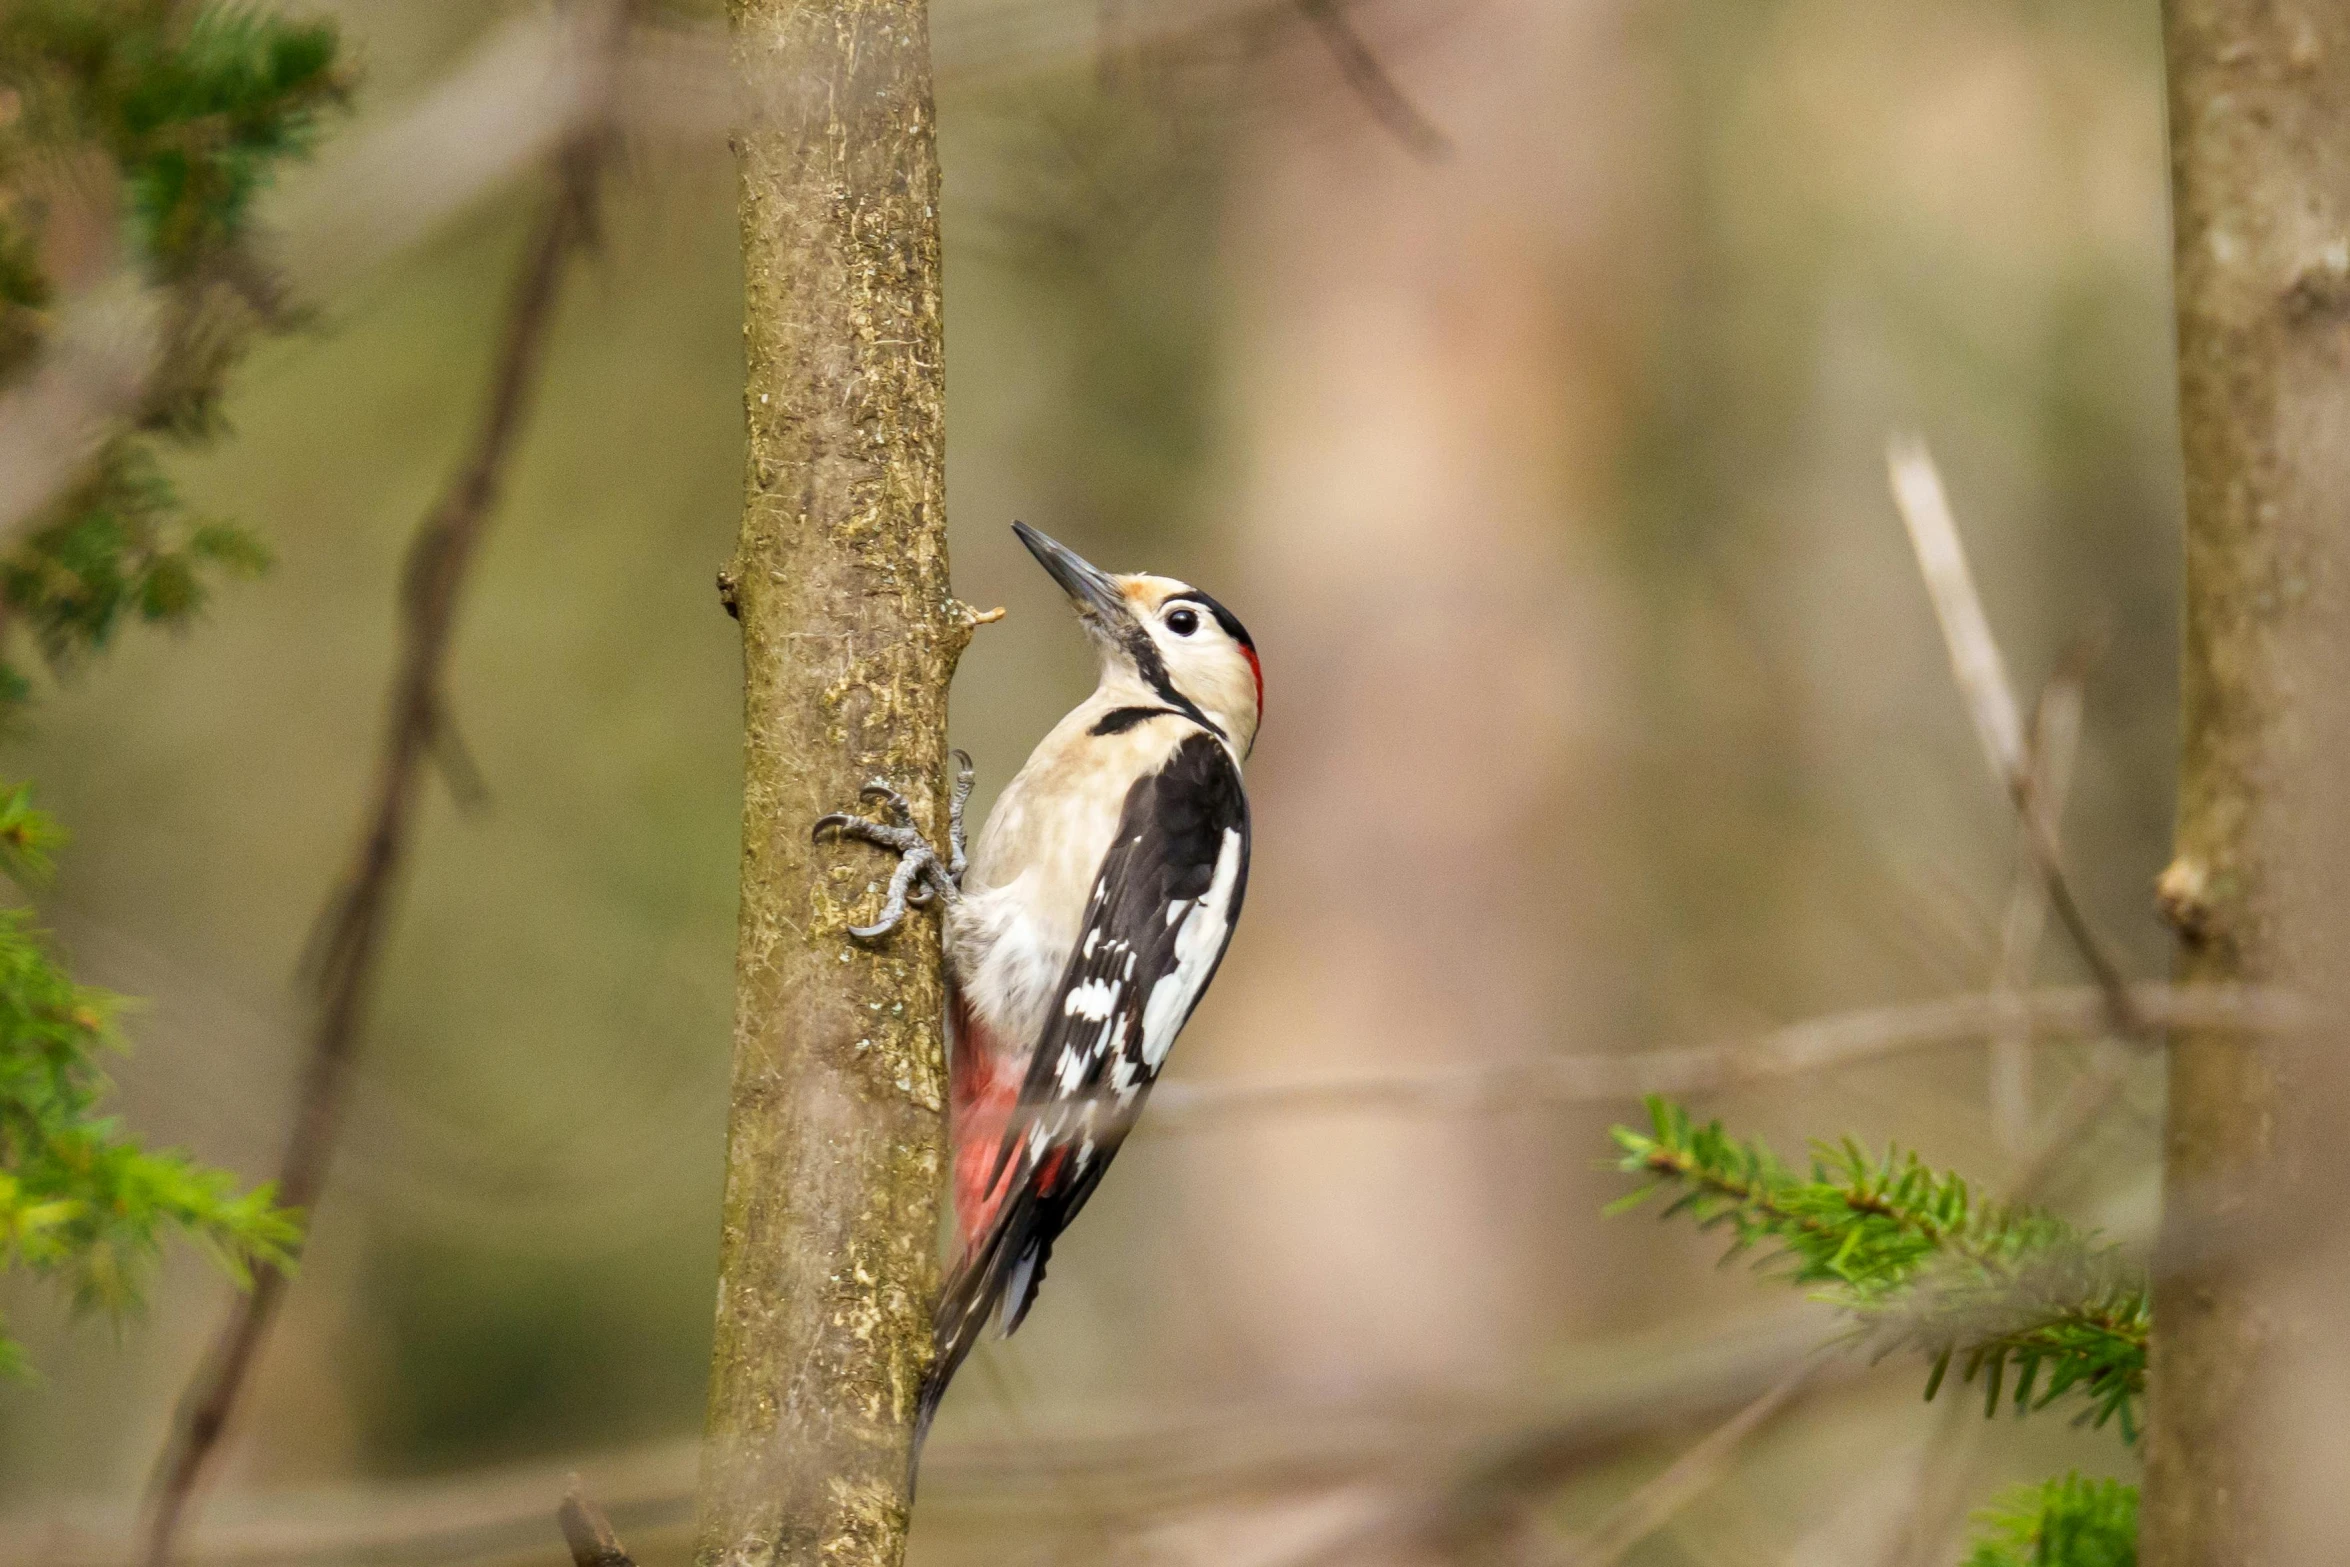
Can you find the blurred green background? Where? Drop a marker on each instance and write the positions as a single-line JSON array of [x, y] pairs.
[[1605, 710]]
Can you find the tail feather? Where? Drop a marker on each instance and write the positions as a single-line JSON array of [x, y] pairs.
[[1004, 1268]]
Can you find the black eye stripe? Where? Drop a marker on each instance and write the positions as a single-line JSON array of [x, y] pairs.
[[1153, 670]]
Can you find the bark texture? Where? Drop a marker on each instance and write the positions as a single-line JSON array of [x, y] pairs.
[[850, 636], [2260, 147]]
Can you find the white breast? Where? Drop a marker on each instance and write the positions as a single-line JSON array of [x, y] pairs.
[[1032, 870]]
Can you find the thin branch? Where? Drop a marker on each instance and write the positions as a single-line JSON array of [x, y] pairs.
[[1378, 90], [2056, 733], [588, 1532], [357, 914], [1974, 654], [1688, 1477], [1817, 1044], [1982, 680], [1123, 1469]]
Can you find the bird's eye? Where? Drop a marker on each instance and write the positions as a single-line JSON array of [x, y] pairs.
[[1183, 622]]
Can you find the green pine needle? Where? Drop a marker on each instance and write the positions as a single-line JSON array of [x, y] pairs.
[[2070, 1522], [179, 113], [2014, 1297], [80, 1201], [191, 110]]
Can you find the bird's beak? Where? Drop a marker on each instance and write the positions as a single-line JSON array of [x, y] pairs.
[[1089, 587]]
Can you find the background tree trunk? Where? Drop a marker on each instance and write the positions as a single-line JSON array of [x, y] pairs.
[[2260, 139], [850, 636]]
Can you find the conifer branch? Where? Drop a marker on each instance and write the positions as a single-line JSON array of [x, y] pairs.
[[2015, 1296], [81, 1203], [2071, 1522], [187, 115], [356, 920]]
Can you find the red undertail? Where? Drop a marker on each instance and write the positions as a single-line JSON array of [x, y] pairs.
[[985, 1090]]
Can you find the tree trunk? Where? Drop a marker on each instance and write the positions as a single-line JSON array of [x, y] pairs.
[[834, 1163], [2260, 158]]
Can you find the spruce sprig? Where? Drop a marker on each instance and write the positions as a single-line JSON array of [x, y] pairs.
[[173, 116], [81, 1201], [2069, 1522], [178, 115], [2034, 1307]]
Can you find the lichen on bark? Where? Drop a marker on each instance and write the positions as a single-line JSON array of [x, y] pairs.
[[850, 636], [2260, 159]]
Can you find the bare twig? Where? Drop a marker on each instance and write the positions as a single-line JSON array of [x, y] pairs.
[[1974, 654], [1817, 1044], [1148, 1463], [2056, 732], [1688, 1477], [1982, 681], [588, 1532], [1372, 84], [356, 916]]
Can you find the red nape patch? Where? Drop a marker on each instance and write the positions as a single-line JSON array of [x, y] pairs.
[[1257, 670]]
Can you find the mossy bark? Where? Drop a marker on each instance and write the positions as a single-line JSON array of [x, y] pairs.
[[850, 637], [2260, 148]]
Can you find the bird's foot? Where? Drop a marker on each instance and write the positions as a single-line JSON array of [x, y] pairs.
[[955, 802], [921, 873]]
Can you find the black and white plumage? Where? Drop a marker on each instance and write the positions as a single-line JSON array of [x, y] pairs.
[[1097, 904], [1159, 918]]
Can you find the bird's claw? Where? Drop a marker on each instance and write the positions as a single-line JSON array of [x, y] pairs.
[[961, 860], [921, 876]]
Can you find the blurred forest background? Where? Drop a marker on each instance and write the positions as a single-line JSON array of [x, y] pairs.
[[1606, 712]]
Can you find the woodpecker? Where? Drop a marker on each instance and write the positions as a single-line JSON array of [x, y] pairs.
[[1084, 928]]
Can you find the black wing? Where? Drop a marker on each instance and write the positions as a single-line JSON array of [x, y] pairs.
[[1163, 907]]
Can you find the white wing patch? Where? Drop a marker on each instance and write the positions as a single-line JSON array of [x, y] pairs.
[[1197, 946], [1094, 999]]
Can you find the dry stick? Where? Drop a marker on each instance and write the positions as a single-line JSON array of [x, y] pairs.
[[1148, 1462], [1813, 1045], [1654, 1505], [1982, 681], [1372, 84], [588, 1532], [2038, 784], [2056, 733], [353, 923]]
